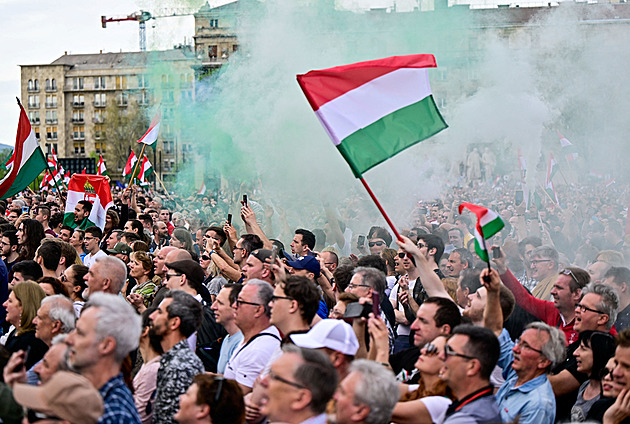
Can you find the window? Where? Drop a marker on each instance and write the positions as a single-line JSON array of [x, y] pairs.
[[187, 95], [168, 112], [33, 116], [33, 85], [214, 23], [122, 99], [36, 129], [77, 116], [51, 84], [121, 82], [168, 96], [50, 147], [212, 52], [51, 116], [185, 80], [100, 100], [166, 81], [99, 117], [78, 132], [33, 101], [169, 147], [77, 83], [99, 147], [78, 100], [99, 131], [51, 100], [143, 98], [51, 133], [79, 147], [234, 47], [99, 83], [143, 81]]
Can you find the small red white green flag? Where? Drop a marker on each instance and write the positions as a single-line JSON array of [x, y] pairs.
[[488, 224], [101, 169], [93, 188], [373, 110], [131, 162], [28, 159]]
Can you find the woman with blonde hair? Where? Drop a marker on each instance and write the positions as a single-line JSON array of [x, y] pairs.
[[141, 269], [21, 306]]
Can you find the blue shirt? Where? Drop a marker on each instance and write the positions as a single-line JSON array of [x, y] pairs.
[[118, 402], [533, 401], [229, 345]]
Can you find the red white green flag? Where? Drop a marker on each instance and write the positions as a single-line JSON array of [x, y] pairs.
[[28, 159], [150, 137], [376, 109], [488, 224], [93, 188], [131, 162], [101, 169]]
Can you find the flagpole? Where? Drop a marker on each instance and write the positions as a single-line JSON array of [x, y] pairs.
[[380, 208], [545, 191], [58, 191], [162, 184], [137, 162]]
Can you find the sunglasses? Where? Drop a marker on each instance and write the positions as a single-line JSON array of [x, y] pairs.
[[567, 271], [205, 257], [376, 243], [402, 255], [605, 372], [431, 350]]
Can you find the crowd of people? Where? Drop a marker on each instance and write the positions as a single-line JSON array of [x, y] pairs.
[[214, 309]]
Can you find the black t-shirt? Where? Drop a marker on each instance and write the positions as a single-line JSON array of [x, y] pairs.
[[402, 364], [564, 403]]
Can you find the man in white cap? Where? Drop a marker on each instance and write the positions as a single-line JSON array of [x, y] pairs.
[[335, 338]]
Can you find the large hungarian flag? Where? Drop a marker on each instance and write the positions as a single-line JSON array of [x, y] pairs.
[[28, 159], [488, 224], [93, 188], [151, 135], [374, 110]]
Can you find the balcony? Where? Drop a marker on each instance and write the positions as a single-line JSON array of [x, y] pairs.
[[51, 89], [33, 89], [51, 121], [78, 120], [99, 135], [35, 121], [142, 102], [78, 104], [33, 105], [50, 136], [78, 136], [100, 104], [98, 120], [51, 105], [122, 104]]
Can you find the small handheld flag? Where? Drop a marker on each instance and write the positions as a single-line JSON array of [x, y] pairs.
[[488, 224]]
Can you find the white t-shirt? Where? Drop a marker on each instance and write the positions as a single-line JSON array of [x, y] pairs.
[[437, 406], [249, 359], [88, 260], [401, 330]]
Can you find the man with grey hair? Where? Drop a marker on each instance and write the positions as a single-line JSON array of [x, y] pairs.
[[364, 283], [54, 317], [544, 263], [367, 395], [298, 386], [177, 318], [260, 338], [527, 394], [107, 330], [107, 274]]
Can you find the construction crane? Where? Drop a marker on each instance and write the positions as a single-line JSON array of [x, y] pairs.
[[142, 17]]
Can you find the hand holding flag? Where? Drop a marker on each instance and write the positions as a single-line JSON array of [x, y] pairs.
[[488, 224]]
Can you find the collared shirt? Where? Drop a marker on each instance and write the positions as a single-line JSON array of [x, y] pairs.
[[317, 419], [476, 408], [533, 402], [178, 367], [118, 402]]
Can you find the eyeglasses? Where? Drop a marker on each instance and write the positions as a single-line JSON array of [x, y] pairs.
[[567, 271], [63, 278], [273, 376], [274, 298], [240, 302], [421, 245], [376, 243], [448, 351], [524, 345], [88, 238], [537, 261], [168, 276], [402, 255], [583, 309], [431, 350], [605, 372], [205, 257], [352, 285]]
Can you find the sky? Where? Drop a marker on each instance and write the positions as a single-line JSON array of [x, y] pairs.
[[38, 32]]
